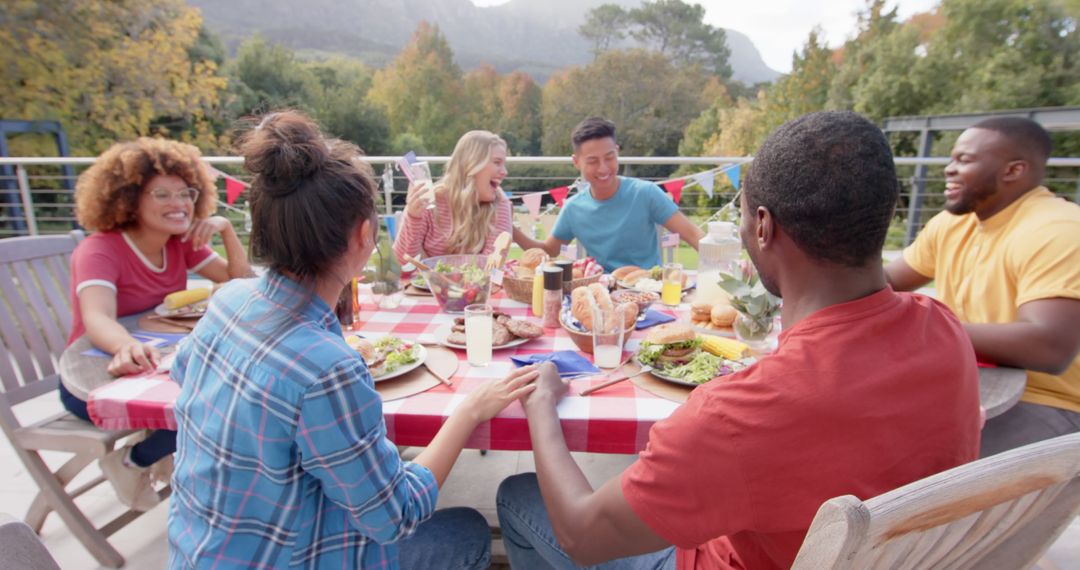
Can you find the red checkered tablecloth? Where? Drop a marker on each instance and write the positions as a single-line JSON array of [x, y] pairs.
[[614, 420]]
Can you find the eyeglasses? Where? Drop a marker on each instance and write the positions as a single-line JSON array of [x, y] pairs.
[[164, 196]]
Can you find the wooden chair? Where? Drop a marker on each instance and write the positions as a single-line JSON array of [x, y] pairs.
[[999, 512], [22, 548], [35, 317]]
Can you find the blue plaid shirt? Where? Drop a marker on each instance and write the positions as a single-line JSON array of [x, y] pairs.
[[282, 458]]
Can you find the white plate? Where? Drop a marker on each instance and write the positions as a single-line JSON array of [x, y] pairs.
[[421, 356], [660, 374], [444, 331], [690, 284], [724, 332], [420, 284], [187, 311]]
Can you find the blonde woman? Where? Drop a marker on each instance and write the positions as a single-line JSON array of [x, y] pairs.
[[471, 209]]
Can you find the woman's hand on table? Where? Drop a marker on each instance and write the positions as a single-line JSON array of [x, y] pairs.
[[493, 396], [132, 357], [550, 388], [201, 231], [420, 195]]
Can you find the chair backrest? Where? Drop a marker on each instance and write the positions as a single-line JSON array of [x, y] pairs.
[[21, 547], [1003, 511], [35, 313]]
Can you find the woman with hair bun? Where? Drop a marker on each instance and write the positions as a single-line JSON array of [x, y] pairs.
[[150, 203], [471, 209], [282, 458]]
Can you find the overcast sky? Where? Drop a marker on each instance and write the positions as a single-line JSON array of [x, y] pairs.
[[780, 27]]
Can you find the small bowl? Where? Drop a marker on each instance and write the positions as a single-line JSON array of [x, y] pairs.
[[643, 299], [453, 291]]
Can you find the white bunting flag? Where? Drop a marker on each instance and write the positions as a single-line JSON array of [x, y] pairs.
[[707, 180], [532, 202]]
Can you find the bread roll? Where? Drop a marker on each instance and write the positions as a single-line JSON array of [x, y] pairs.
[[582, 300], [700, 311], [623, 271], [635, 276], [603, 298], [532, 257], [722, 315], [629, 312], [523, 272]]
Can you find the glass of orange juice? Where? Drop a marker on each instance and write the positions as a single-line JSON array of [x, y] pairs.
[[671, 291]]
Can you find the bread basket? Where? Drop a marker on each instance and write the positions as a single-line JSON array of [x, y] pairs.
[[520, 290]]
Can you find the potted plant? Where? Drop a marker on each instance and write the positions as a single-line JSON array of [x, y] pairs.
[[757, 310]]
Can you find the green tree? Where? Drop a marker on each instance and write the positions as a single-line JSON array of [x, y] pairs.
[[110, 71], [336, 96], [678, 29], [604, 27], [267, 76], [650, 99], [421, 92]]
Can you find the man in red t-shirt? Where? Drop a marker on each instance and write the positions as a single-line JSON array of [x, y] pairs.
[[868, 390]]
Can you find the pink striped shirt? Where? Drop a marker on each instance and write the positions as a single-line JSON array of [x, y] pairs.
[[431, 232]]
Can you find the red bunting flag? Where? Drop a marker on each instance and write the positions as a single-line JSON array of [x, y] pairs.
[[560, 194], [675, 188], [233, 189]]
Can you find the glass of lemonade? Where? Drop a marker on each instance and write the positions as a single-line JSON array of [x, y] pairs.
[[608, 331], [478, 329], [671, 291]]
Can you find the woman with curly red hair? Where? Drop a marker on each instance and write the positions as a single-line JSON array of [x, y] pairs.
[[150, 204]]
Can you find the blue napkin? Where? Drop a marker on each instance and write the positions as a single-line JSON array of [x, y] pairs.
[[652, 318], [568, 362]]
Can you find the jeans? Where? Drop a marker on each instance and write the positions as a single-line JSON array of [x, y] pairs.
[[530, 541], [452, 538], [147, 452], [1026, 423]]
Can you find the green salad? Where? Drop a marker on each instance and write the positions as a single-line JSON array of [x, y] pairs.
[[398, 353]]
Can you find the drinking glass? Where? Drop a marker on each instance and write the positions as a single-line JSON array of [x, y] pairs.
[[421, 172], [671, 291], [607, 334], [478, 332]]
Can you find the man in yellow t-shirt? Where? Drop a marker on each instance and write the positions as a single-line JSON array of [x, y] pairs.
[[1005, 257]]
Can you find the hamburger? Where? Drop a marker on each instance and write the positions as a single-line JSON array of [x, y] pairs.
[[669, 345]]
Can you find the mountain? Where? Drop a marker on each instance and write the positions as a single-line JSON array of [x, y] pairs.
[[538, 37]]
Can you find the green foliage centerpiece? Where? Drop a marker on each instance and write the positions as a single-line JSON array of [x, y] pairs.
[[757, 308]]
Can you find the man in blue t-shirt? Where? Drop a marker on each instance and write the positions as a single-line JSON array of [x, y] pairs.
[[614, 217]]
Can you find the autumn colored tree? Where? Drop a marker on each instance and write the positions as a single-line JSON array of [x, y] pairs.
[[111, 70], [506, 105], [422, 94]]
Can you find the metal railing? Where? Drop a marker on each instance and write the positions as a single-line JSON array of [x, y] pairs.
[[37, 199]]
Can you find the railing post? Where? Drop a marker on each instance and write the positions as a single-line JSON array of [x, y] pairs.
[[918, 186], [388, 188], [27, 202]]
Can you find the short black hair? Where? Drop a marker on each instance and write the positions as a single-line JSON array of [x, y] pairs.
[[1028, 137], [829, 180], [592, 128]]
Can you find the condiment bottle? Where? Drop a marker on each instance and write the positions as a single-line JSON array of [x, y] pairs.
[[567, 267], [538, 290], [553, 295]]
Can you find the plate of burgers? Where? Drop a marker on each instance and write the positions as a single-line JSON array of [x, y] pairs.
[[674, 352], [388, 356], [638, 279], [713, 318]]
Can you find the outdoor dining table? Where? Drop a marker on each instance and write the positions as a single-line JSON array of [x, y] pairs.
[[614, 420]]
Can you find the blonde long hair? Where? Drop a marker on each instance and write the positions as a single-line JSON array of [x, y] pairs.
[[471, 220]]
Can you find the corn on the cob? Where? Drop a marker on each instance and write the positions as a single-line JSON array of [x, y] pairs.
[[186, 297], [728, 348]]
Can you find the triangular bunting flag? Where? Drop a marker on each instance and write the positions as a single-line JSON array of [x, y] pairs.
[[733, 173], [532, 202], [707, 180], [559, 194], [675, 188], [233, 189]]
